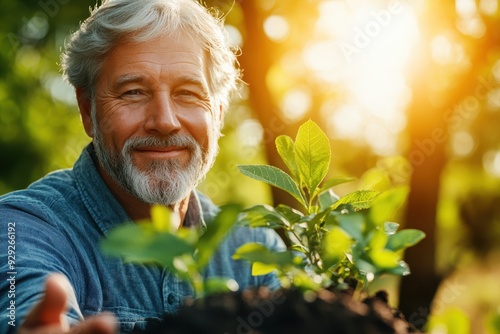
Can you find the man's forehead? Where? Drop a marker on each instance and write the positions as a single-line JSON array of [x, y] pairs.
[[161, 54], [171, 45]]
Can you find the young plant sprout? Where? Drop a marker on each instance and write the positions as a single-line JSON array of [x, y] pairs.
[[184, 251], [334, 240]]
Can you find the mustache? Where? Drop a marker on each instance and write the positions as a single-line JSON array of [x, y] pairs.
[[178, 140]]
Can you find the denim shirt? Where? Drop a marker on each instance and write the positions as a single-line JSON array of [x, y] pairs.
[[56, 224]]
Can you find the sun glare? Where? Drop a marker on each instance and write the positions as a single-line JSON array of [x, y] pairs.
[[364, 50]]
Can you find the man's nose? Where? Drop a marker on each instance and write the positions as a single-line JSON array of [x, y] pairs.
[[162, 115]]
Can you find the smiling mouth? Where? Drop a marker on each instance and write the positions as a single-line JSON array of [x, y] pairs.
[[162, 152]]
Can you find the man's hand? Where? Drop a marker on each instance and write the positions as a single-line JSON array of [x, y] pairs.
[[48, 315]]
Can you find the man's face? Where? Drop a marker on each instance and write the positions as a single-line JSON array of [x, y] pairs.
[[155, 126]]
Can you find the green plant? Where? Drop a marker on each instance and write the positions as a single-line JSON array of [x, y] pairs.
[[184, 251], [333, 239]]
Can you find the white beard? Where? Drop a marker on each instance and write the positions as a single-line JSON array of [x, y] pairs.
[[165, 182]]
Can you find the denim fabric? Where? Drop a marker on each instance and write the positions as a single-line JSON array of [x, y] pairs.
[[57, 224]]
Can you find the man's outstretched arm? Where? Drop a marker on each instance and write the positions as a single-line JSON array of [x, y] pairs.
[[48, 316]]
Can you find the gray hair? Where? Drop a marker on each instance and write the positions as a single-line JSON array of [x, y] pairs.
[[139, 21]]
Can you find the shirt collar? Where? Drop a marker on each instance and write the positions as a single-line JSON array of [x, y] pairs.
[[194, 216], [106, 211]]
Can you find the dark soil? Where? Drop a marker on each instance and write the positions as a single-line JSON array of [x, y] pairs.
[[286, 311]]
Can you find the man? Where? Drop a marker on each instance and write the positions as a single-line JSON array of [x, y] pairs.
[[152, 80]]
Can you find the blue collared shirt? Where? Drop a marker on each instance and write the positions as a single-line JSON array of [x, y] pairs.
[[56, 225]]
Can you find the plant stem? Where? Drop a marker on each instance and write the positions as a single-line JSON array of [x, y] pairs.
[[296, 236], [198, 285]]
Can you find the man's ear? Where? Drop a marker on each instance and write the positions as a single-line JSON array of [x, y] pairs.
[[85, 106]]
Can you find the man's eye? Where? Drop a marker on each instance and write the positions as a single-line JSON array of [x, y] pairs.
[[132, 92], [187, 93], [191, 95], [133, 95]]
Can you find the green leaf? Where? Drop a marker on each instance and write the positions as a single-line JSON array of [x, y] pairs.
[[375, 179], [312, 153], [273, 176], [163, 219], [259, 268], [364, 266], [387, 203], [402, 269], [286, 150], [384, 258], [251, 251], [216, 232], [335, 244], [360, 199], [380, 256], [353, 224], [299, 248], [290, 214], [404, 239], [144, 245], [258, 253], [326, 199], [263, 216], [317, 219], [334, 182], [378, 240]]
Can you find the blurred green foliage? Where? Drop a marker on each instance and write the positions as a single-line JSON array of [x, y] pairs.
[[39, 122], [451, 321]]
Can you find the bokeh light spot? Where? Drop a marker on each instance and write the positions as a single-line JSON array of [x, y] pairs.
[[488, 7], [491, 162], [296, 104], [276, 28], [466, 8], [346, 122], [462, 143], [250, 132], [234, 34]]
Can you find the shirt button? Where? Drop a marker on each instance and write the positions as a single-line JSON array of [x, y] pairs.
[[171, 299]]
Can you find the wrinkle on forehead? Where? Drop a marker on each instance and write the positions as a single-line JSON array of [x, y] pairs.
[[163, 52]]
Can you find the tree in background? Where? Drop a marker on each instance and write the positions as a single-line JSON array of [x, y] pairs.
[[452, 85]]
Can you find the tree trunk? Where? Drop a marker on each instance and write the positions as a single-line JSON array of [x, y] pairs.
[[430, 117]]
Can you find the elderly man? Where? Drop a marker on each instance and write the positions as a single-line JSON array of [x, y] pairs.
[[152, 80]]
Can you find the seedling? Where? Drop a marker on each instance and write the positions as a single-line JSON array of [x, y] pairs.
[[184, 251], [334, 239]]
